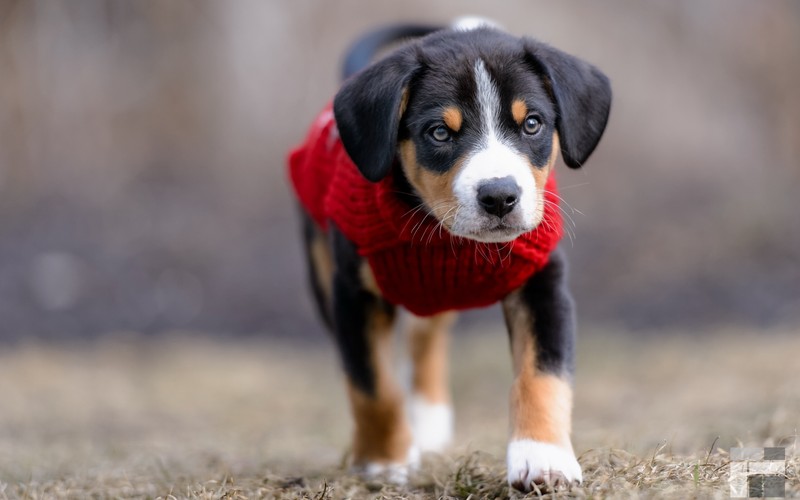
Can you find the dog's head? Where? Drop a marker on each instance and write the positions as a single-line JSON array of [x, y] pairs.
[[476, 119]]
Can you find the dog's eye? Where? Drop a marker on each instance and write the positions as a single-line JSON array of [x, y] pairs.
[[440, 133], [531, 125]]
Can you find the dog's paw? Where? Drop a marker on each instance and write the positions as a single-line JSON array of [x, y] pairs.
[[431, 424], [543, 464], [395, 473], [389, 472]]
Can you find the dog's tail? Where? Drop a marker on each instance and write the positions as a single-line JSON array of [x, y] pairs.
[[363, 51]]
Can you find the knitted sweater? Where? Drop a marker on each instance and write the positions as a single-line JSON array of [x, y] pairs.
[[416, 263]]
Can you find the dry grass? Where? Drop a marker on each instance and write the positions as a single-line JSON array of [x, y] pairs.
[[194, 418]]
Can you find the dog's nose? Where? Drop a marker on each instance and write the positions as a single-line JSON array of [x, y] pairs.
[[498, 196]]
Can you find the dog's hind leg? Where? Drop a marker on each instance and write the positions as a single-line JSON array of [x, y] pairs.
[[320, 267], [430, 408], [382, 444]]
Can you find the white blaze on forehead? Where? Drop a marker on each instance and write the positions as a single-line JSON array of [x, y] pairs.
[[492, 159], [488, 100]]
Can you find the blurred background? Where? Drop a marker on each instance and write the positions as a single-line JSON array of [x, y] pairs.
[[143, 145]]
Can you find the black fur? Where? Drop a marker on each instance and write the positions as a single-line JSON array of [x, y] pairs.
[[311, 232], [447, 78], [553, 317], [402, 98], [353, 308], [566, 95], [367, 111], [364, 49], [582, 94]]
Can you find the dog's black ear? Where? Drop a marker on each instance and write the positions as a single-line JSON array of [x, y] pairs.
[[582, 95], [368, 109]]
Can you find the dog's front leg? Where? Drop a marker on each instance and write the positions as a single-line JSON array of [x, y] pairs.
[[363, 327], [541, 327], [430, 408]]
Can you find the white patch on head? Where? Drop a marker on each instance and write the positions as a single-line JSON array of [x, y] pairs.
[[492, 160], [469, 23], [431, 424], [533, 462]]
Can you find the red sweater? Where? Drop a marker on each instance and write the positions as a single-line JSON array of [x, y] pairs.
[[415, 263]]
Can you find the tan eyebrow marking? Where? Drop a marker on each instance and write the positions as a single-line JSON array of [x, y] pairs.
[[452, 118], [519, 110], [403, 102]]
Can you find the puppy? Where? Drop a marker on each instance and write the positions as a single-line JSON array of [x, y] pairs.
[[427, 185]]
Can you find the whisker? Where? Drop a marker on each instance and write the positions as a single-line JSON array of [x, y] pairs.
[[548, 224], [418, 226], [452, 243], [432, 233], [411, 213], [497, 250], [439, 223], [421, 223], [562, 188], [551, 225], [510, 249], [567, 215], [445, 217], [413, 210], [481, 248], [570, 225], [562, 200]]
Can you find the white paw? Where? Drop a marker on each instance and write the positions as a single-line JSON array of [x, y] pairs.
[[431, 424], [413, 459], [395, 473], [390, 472], [532, 462]]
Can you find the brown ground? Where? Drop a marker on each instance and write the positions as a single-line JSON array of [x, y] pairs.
[[196, 418]]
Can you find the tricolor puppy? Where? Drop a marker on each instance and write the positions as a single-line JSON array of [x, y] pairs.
[[428, 185]]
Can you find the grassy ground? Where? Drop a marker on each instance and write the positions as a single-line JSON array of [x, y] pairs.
[[189, 417]]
